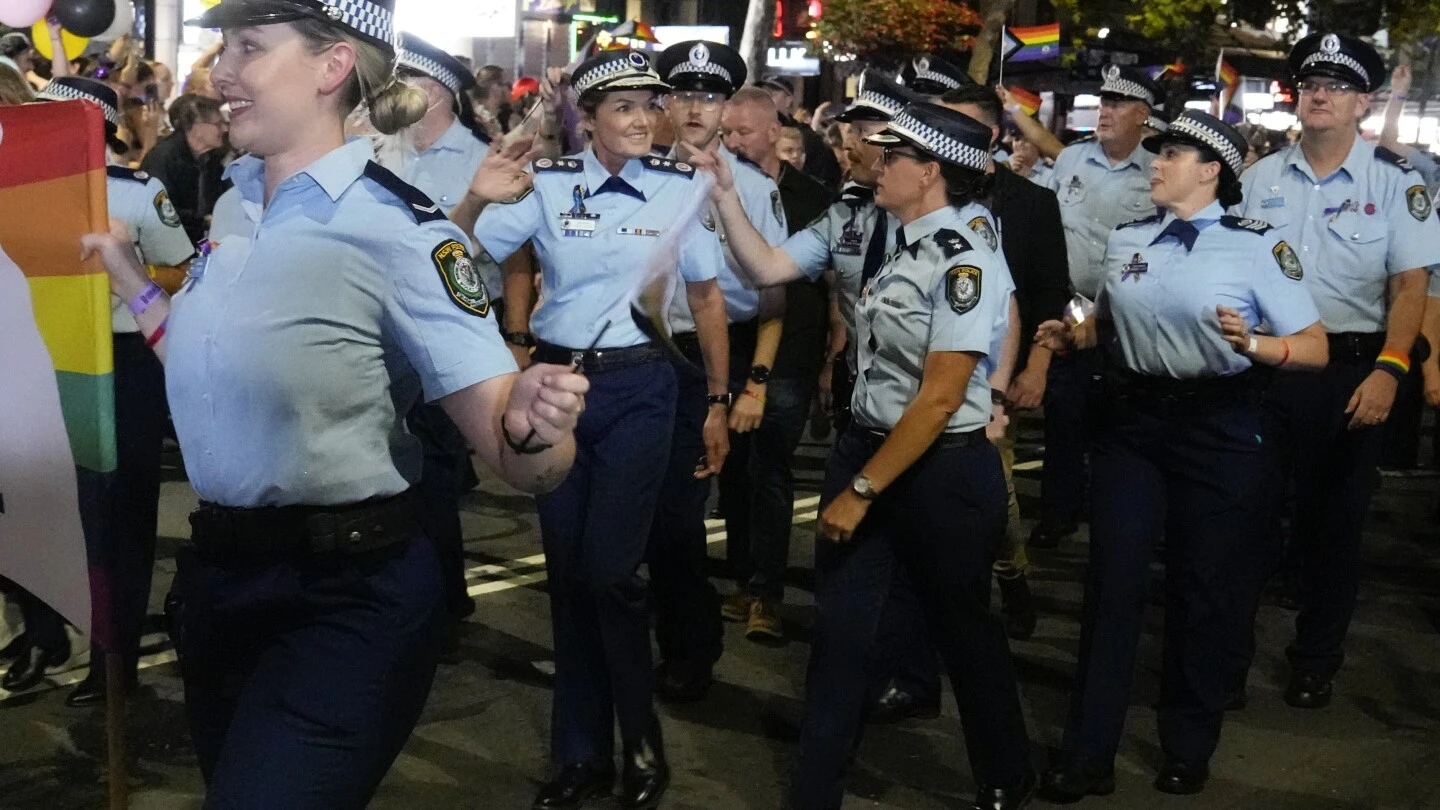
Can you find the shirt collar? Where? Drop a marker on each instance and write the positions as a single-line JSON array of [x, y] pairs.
[[1135, 158], [633, 172], [453, 138], [1204, 218], [923, 227], [334, 172], [1361, 153]]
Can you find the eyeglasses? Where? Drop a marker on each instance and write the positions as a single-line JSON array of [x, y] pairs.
[[705, 101], [894, 153], [1330, 88]]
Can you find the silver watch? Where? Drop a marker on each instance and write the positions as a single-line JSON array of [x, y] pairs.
[[862, 487]]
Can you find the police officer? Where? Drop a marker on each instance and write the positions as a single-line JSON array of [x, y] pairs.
[[439, 155], [328, 296], [929, 75], [595, 219], [1179, 454], [688, 630], [1100, 183], [1361, 221]]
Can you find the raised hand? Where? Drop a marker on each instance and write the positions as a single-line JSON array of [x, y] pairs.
[[502, 173]]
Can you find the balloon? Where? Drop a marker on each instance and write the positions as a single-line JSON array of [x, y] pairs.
[[85, 17], [40, 35], [123, 23], [22, 13]]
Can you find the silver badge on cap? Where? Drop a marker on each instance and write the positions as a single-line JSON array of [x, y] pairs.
[[1112, 73], [699, 54], [333, 11], [637, 59], [922, 64], [1330, 44]]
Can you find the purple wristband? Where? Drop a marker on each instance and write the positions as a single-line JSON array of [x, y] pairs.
[[147, 296]]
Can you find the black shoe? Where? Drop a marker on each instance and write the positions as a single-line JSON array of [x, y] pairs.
[[574, 785], [91, 691], [1237, 699], [29, 667], [1073, 778], [1014, 797], [1050, 537], [896, 705], [1308, 690], [679, 683], [1018, 607], [646, 774], [1182, 778]]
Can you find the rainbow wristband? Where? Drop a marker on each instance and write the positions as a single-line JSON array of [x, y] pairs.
[[1393, 363]]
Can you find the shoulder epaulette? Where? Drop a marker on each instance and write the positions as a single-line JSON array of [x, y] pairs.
[[1081, 140], [951, 242], [1394, 158], [660, 164], [1156, 217], [558, 165], [420, 206], [1245, 224], [123, 173]]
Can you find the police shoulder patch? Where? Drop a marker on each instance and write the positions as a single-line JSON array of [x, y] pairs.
[[558, 165], [1245, 224], [982, 228], [1417, 199], [1142, 221], [462, 280], [952, 243], [660, 164], [1393, 158], [124, 173], [421, 207], [962, 287], [166, 209], [1288, 261]]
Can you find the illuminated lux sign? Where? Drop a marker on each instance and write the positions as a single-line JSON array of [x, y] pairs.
[[792, 59]]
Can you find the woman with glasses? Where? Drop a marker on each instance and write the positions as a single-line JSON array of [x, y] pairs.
[[1180, 455], [328, 297]]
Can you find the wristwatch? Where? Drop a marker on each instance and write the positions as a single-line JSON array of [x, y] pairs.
[[862, 487], [760, 374], [522, 339], [726, 399]]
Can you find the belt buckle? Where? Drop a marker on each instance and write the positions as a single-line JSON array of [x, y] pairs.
[[577, 359]]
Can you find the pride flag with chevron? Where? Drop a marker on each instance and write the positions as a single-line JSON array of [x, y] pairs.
[[1031, 44]]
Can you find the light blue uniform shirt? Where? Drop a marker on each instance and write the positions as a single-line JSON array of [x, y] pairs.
[[443, 172], [1162, 299], [944, 292], [760, 198], [594, 245], [1369, 220], [1094, 198], [297, 347], [141, 202]]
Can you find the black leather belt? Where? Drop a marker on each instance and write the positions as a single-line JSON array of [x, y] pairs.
[[595, 361], [944, 441], [1355, 348], [1170, 395], [354, 529]]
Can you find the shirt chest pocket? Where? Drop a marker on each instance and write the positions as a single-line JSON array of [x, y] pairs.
[[1136, 201], [1366, 242], [1071, 192]]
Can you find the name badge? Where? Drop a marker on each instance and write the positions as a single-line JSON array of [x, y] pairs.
[[578, 224], [847, 245], [637, 231], [1273, 202]]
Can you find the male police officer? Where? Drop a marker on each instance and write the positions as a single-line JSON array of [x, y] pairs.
[[1362, 224], [703, 75], [1100, 183]]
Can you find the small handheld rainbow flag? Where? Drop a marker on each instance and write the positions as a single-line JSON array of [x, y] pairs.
[[1028, 101], [1227, 77], [1173, 70], [1031, 44]]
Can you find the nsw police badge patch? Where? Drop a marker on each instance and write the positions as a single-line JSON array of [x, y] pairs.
[[963, 287], [1418, 199], [982, 229], [462, 279], [1288, 261], [166, 209]]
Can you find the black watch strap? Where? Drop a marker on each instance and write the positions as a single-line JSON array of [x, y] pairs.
[[524, 446], [720, 399], [521, 339]]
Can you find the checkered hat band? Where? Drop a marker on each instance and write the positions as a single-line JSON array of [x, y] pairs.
[[611, 71], [880, 101], [431, 68], [937, 142], [1125, 87], [1189, 127], [54, 91], [701, 67], [368, 18], [1340, 59], [938, 78]]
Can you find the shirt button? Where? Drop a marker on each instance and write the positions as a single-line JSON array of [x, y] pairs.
[[1354, 237]]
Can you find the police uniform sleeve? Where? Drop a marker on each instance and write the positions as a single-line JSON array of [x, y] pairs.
[[762, 206], [965, 303], [1414, 229], [504, 226], [162, 238], [438, 311], [701, 255], [809, 247], [1052, 180], [1280, 294]]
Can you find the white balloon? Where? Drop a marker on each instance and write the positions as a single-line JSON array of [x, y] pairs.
[[121, 25]]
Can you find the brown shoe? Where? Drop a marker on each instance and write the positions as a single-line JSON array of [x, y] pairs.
[[764, 623], [736, 607]]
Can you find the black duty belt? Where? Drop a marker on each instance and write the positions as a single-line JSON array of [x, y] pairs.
[[1170, 395], [944, 441], [1355, 348], [353, 529], [595, 361]]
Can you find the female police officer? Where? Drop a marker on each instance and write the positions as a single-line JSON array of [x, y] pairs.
[[595, 220], [330, 291], [1181, 456]]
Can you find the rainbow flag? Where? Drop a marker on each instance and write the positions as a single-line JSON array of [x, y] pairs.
[[1173, 70], [1227, 78], [1030, 44], [1028, 101]]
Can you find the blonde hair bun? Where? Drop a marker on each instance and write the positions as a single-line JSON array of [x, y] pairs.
[[397, 105]]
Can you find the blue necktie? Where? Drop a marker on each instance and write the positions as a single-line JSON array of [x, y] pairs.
[[875, 251], [1181, 229], [614, 183]]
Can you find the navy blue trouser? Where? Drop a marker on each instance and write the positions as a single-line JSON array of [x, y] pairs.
[[594, 527], [1067, 438], [305, 675], [1198, 480], [941, 521], [446, 474]]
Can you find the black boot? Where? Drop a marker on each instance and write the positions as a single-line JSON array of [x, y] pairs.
[[645, 774], [1018, 607], [1072, 778], [573, 785], [91, 691], [896, 705]]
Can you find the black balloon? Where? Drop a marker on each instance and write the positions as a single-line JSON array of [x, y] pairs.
[[85, 18]]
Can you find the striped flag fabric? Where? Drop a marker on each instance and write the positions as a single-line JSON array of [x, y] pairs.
[[1227, 78], [1031, 44], [1173, 70], [57, 403], [1028, 101]]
